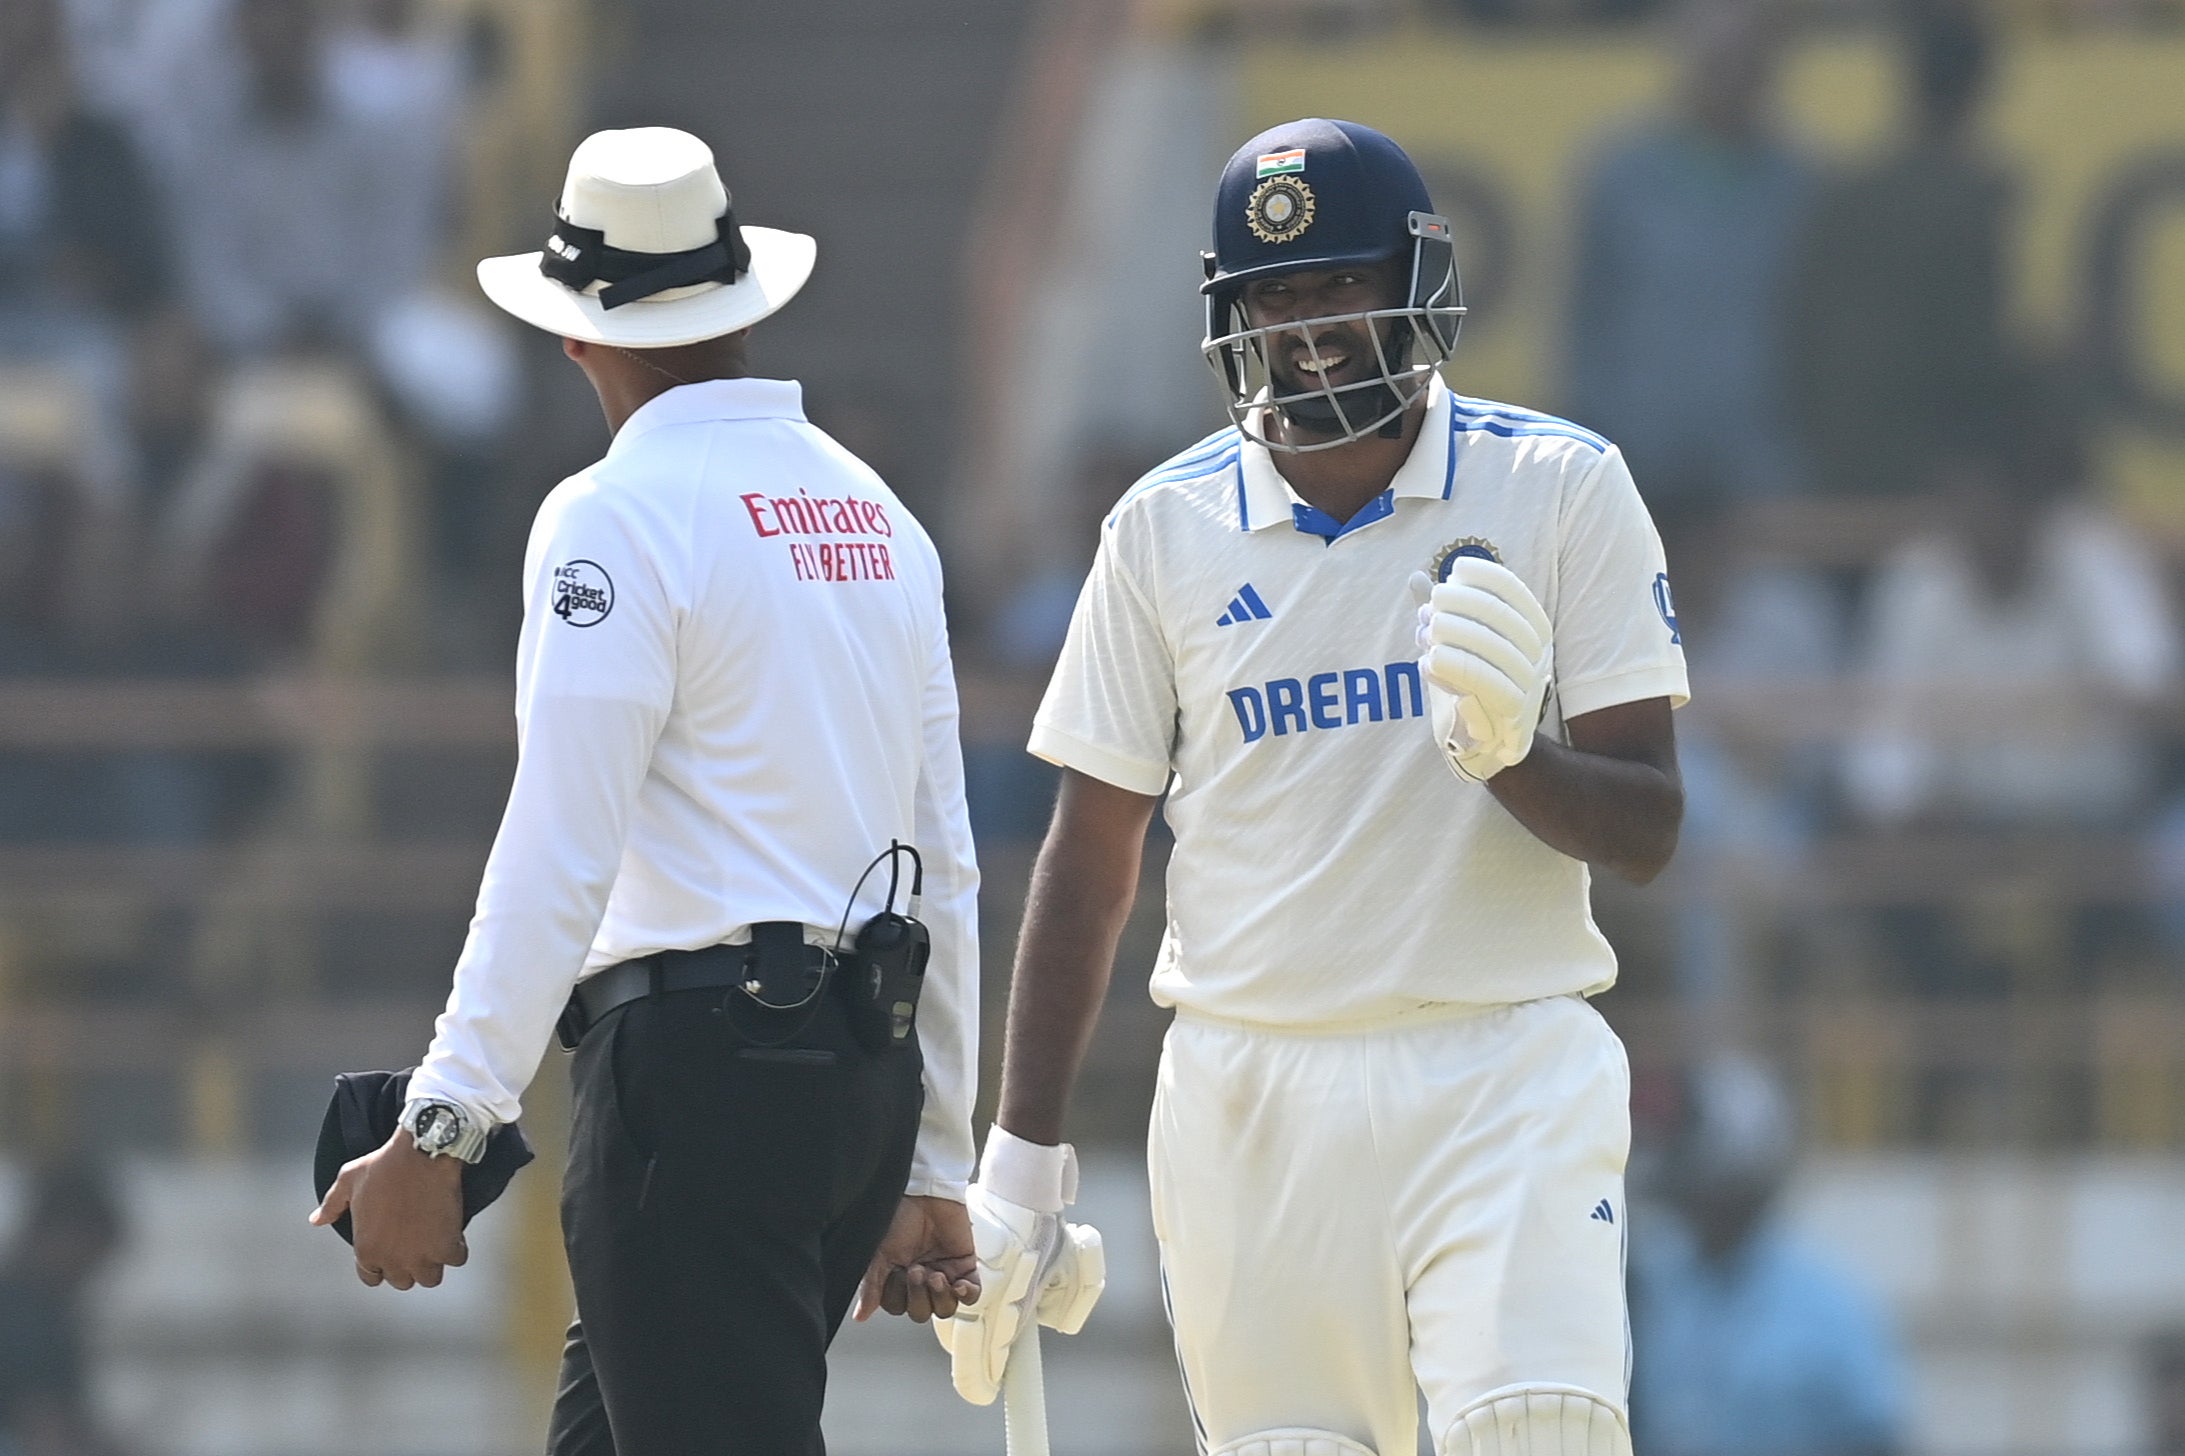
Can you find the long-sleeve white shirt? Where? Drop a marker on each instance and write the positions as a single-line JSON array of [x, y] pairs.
[[733, 689]]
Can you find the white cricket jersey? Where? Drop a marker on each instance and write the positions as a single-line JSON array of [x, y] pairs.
[[733, 689], [1256, 659]]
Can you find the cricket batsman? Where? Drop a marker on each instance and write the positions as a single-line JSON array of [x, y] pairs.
[[1402, 662]]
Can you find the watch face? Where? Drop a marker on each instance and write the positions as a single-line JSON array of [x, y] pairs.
[[437, 1127]]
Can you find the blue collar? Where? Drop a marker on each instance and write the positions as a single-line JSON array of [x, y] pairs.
[[1316, 522], [1265, 499]]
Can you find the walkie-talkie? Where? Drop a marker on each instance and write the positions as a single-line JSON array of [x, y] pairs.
[[890, 959]]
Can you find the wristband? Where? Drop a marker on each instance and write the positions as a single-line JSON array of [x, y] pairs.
[[1031, 1175]]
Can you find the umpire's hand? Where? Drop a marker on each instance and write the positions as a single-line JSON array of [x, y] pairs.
[[406, 1210], [927, 1264]]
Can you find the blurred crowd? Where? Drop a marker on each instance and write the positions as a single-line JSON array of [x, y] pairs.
[[1914, 615], [64, 1237], [1746, 1339], [228, 361], [250, 418], [1871, 489]]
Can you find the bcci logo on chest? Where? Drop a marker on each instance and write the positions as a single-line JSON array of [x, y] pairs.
[[1474, 546], [583, 593]]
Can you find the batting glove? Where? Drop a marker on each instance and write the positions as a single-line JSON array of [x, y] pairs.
[[1487, 656], [1032, 1265]]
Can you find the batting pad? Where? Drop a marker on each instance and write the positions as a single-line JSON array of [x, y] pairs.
[[1539, 1420], [1293, 1441]]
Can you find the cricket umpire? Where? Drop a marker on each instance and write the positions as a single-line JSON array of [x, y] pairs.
[[734, 702]]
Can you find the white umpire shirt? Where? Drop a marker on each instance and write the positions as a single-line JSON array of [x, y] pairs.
[[1256, 660], [733, 689]]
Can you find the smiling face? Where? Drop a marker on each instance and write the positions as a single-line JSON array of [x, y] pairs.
[[1326, 349]]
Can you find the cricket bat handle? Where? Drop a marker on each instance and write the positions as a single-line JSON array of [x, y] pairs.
[[1024, 1396]]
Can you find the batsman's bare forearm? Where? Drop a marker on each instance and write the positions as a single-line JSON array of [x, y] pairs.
[[1082, 887], [1611, 796]]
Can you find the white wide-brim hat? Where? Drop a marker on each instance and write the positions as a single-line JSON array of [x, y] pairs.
[[648, 200]]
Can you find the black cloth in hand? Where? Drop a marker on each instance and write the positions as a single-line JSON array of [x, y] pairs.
[[362, 1116]]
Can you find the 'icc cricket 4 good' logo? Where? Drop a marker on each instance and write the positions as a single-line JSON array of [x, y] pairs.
[[583, 593]]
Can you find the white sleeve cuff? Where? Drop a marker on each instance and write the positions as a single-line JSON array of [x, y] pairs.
[[1660, 680], [1105, 764], [426, 1088], [1033, 1175]]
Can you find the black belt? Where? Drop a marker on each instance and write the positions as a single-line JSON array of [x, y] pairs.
[[777, 967]]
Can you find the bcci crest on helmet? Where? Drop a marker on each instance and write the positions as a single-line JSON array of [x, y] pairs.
[[1280, 210]]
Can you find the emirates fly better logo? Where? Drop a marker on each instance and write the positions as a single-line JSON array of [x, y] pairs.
[[583, 593]]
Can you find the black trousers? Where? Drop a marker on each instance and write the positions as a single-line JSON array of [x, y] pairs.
[[723, 1199]]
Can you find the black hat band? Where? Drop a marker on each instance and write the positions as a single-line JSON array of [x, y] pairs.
[[579, 257]]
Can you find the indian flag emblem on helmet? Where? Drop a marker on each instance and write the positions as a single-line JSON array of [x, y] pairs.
[[1275, 164], [1280, 209]]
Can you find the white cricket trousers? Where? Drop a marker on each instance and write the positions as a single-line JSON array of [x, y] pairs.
[[1438, 1199]]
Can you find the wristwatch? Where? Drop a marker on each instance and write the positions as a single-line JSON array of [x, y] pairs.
[[443, 1130]]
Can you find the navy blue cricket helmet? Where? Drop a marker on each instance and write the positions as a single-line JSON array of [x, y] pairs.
[[1317, 194]]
